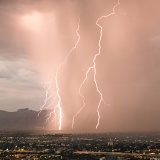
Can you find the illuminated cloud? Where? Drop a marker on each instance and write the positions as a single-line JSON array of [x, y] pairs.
[[37, 35]]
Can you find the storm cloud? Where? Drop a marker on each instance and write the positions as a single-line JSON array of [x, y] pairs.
[[35, 37]]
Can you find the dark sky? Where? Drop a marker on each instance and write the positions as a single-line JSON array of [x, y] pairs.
[[35, 37]]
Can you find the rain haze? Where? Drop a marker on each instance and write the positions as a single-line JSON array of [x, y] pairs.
[[37, 35]]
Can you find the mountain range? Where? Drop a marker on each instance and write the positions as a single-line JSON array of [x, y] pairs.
[[22, 119]]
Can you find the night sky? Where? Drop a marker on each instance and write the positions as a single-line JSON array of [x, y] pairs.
[[35, 37]]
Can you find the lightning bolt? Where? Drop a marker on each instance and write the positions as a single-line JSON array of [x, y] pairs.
[[93, 67], [56, 95]]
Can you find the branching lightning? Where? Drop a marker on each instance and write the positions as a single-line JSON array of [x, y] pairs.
[[93, 67], [56, 94]]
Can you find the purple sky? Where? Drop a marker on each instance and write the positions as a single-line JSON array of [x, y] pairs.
[[35, 37]]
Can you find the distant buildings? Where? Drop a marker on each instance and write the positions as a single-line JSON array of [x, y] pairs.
[[79, 146]]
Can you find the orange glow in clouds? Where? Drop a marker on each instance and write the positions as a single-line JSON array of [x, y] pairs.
[[36, 21], [33, 21]]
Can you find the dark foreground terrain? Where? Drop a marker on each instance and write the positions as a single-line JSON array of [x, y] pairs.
[[120, 146]]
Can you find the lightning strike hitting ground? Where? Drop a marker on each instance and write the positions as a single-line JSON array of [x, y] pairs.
[[56, 94], [93, 67]]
